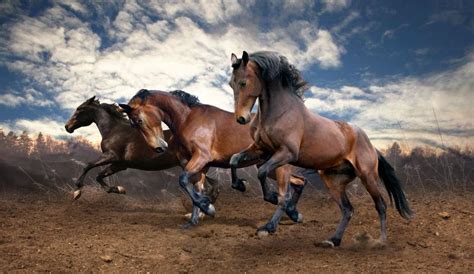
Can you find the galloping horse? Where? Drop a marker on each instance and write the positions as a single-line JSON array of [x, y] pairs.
[[290, 133], [122, 147], [207, 136]]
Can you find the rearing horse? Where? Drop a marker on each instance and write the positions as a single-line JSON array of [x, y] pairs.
[[291, 133], [206, 136]]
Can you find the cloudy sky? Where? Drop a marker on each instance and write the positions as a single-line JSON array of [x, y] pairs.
[[388, 67]]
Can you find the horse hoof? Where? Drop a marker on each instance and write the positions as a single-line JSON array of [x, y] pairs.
[[246, 185], [325, 244], [187, 225], [211, 210], [121, 190], [300, 218], [77, 194]]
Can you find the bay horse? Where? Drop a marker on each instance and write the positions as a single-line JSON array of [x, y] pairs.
[[290, 133], [207, 137], [122, 147]]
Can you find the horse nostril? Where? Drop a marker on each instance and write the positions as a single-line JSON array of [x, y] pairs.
[[159, 150], [241, 120]]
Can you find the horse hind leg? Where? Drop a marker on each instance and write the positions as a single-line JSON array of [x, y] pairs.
[[370, 183], [109, 171], [336, 181]]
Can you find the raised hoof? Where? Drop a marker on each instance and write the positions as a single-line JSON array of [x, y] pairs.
[[295, 216], [325, 244], [211, 210], [271, 198], [300, 218], [205, 205], [121, 190], [77, 194], [241, 185]]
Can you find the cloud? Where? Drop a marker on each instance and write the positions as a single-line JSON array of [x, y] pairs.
[[335, 5], [30, 97], [390, 34], [409, 108], [62, 54]]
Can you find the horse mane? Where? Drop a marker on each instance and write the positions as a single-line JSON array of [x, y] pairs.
[[274, 65], [186, 98], [113, 110]]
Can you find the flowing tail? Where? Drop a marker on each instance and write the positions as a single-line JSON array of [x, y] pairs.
[[393, 186]]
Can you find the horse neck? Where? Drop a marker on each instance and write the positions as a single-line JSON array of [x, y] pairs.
[[175, 113], [104, 121], [276, 101]]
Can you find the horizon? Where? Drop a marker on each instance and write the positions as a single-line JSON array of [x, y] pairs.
[[401, 71]]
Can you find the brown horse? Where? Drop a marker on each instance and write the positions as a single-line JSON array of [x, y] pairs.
[[207, 136], [123, 147], [290, 133]]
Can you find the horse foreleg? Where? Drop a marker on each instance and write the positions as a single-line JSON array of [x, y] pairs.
[[193, 167], [104, 159], [198, 181], [278, 159], [297, 184], [251, 154], [110, 170], [284, 199]]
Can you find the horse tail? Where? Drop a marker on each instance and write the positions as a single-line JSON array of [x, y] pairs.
[[393, 186]]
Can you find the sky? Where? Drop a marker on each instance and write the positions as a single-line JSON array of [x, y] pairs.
[[401, 70]]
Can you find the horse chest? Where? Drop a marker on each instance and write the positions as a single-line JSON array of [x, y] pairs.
[[263, 140]]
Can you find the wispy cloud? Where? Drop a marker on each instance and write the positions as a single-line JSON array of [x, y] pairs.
[[62, 53], [409, 108]]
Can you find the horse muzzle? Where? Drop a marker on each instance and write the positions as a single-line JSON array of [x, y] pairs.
[[162, 145], [242, 120], [68, 128]]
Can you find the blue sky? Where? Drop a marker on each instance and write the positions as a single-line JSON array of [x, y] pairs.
[[387, 66]]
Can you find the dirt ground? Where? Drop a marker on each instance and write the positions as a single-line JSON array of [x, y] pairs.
[[106, 232]]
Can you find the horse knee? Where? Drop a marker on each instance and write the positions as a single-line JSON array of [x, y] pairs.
[[183, 180], [234, 160], [262, 174]]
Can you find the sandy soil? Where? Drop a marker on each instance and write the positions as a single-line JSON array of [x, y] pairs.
[[108, 232]]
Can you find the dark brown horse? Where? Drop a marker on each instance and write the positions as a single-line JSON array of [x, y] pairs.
[[123, 147], [290, 133], [207, 136]]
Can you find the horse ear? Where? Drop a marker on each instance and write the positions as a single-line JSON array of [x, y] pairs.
[[234, 59], [245, 57], [126, 108], [91, 100]]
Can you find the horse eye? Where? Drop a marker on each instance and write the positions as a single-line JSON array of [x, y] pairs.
[[243, 84]]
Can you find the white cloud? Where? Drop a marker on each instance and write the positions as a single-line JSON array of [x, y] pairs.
[[30, 97], [405, 109], [334, 5], [62, 53]]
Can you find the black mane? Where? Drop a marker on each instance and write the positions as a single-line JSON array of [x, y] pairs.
[[113, 110], [274, 65], [186, 98]]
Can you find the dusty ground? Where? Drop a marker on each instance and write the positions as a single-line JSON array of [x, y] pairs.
[[120, 233]]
